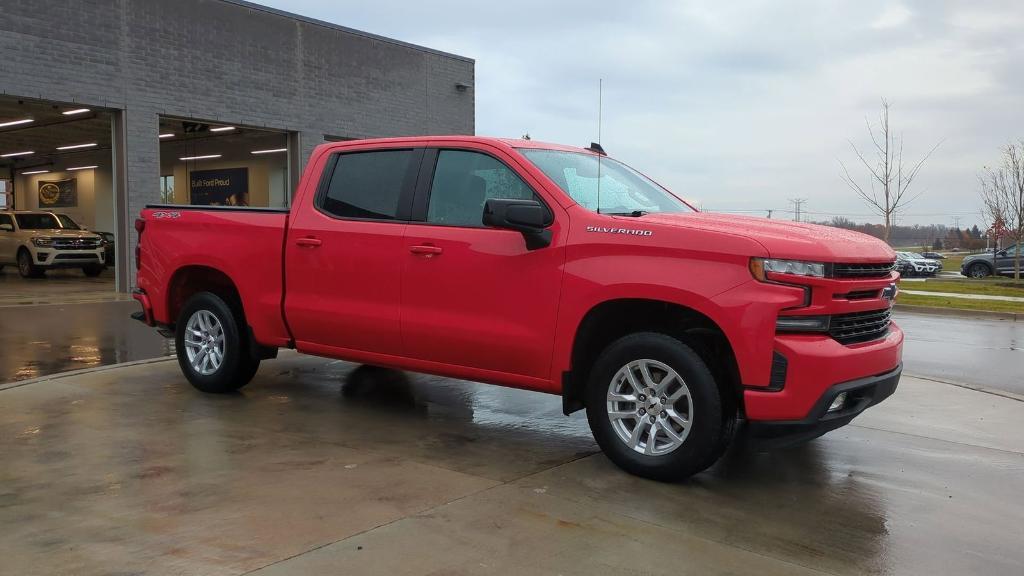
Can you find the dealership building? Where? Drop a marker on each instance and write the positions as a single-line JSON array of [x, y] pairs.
[[109, 105]]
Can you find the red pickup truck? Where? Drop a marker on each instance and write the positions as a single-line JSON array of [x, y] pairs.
[[543, 267]]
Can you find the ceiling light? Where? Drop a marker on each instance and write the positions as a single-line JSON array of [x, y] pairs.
[[270, 151], [12, 154], [15, 122], [75, 146], [206, 157], [83, 167], [75, 111], [167, 135], [222, 129], [26, 173]]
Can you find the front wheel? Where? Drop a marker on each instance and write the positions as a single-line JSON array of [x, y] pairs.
[[26, 268], [213, 351], [655, 409], [978, 270]]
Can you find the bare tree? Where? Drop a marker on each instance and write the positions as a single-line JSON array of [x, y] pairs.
[[1002, 195], [888, 179]]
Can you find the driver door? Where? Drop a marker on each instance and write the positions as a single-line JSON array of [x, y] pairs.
[[473, 296]]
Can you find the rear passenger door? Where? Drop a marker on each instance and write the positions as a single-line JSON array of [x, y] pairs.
[[474, 296], [344, 254]]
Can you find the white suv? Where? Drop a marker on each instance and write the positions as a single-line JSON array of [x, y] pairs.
[[36, 241]]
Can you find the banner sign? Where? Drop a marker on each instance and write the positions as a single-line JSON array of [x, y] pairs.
[[58, 193], [223, 187]]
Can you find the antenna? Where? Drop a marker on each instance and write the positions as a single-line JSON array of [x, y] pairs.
[[600, 105]]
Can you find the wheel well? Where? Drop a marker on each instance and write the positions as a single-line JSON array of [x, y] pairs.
[[609, 321], [190, 280]]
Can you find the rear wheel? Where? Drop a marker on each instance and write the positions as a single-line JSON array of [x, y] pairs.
[[26, 267], [655, 409], [213, 350], [93, 270], [979, 270]]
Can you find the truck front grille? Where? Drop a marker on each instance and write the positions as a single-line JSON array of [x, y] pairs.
[[76, 244], [860, 326], [872, 270]]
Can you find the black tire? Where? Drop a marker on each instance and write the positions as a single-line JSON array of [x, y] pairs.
[[26, 267], [238, 366], [711, 423], [979, 270], [93, 270]]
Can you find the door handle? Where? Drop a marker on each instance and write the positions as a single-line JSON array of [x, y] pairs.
[[425, 250], [308, 242]]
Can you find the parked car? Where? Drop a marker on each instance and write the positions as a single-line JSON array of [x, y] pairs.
[[35, 241], [987, 264], [68, 223], [933, 255], [912, 264], [502, 261]]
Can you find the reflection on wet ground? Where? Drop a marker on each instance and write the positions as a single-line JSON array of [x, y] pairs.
[[41, 340], [321, 466], [63, 286]]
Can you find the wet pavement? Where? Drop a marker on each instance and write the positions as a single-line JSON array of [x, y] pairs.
[[978, 352], [320, 466], [40, 340], [62, 286]]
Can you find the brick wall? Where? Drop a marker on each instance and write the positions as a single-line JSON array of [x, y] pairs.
[[227, 61]]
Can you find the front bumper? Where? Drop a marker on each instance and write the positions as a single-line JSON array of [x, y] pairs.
[[861, 394], [56, 258]]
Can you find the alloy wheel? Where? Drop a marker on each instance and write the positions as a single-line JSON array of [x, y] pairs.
[[204, 342], [650, 407]]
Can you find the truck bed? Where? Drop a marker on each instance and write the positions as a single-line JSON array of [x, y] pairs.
[[243, 243]]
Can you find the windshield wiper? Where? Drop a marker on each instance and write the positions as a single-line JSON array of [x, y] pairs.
[[634, 213]]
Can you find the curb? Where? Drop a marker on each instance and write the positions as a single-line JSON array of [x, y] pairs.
[[960, 313], [20, 383]]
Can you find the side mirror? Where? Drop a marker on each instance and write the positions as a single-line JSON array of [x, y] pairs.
[[528, 217], [7, 227], [1001, 253]]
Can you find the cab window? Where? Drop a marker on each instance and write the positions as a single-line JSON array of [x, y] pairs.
[[368, 185], [463, 181]]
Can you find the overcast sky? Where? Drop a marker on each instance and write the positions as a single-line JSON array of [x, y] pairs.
[[738, 105]]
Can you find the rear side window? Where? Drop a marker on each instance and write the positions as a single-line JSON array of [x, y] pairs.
[[463, 181], [6, 219], [368, 184]]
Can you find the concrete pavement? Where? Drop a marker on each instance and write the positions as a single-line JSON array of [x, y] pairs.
[[129, 470], [978, 352]]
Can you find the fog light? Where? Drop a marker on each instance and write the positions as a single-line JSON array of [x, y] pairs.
[[838, 403]]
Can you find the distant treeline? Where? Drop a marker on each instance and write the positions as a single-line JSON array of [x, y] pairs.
[[931, 236]]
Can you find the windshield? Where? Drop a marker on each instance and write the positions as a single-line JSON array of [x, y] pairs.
[[67, 222], [37, 221], [589, 179]]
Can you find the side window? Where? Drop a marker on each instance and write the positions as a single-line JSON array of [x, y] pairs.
[[6, 219], [368, 184], [463, 181]]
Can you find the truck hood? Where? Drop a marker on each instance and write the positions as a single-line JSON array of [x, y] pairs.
[[785, 239]]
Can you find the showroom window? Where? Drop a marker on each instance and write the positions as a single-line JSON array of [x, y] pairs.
[[220, 164], [368, 184]]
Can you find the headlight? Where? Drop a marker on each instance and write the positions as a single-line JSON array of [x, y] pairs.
[[760, 267], [802, 324], [41, 242]]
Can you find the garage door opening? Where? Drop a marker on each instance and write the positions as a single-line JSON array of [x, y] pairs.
[[216, 164], [56, 193]]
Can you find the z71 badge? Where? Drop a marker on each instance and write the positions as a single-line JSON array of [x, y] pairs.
[[628, 231]]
